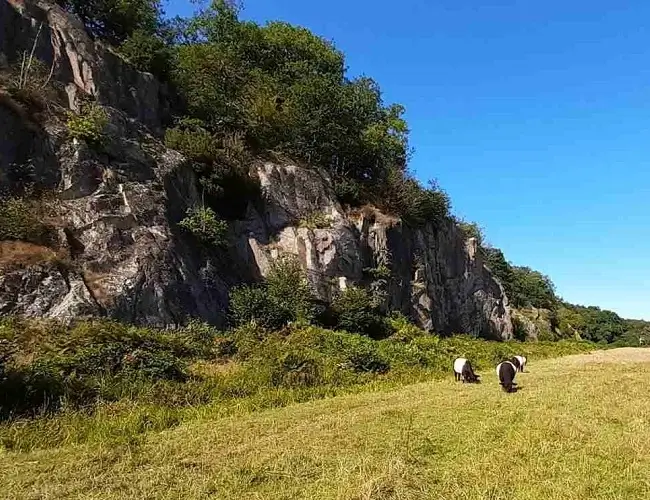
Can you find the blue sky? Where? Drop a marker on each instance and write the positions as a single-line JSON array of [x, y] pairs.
[[534, 116]]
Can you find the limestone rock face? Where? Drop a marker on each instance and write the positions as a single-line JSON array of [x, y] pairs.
[[537, 324], [436, 277], [81, 64], [116, 210]]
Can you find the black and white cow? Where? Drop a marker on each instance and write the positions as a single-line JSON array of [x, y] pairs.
[[519, 362], [463, 371], [506, 372]]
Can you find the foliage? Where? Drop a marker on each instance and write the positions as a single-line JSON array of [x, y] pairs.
[[221, 162], [20, 219], [500, 267], [403, 329], [31, 84], [193, 140], [286, 90], [287, 284], [283, 297], [89, 124], [523, 286], [115, 20], [404, 196], [252, 304], [381, 272], [147, 52], [48, 366], [365, 357], [637, 333], [532, 289], [203, 223], [591, 323], [527, 288], [472, 230], [355, 311], [316, 220]]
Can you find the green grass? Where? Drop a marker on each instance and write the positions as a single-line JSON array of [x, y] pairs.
[[126, 409], [110, 384], [577, 429]]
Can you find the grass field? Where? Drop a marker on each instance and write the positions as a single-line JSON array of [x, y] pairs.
[[577, 429]]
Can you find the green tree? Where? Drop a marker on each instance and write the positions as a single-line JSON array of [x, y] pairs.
[[500, 267], [286, 89], [116, 20], [532, 289], [472, 230]]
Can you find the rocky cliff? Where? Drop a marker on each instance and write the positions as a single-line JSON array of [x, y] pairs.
[[117, 250]]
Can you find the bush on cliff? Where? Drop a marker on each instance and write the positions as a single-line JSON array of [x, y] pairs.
[[284, 297]]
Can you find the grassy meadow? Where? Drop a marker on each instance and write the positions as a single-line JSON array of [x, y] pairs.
[[106, 384], [577, 429]]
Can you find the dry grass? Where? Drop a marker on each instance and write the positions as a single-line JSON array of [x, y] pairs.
[[578, 429], [372, 213], [20, 254]]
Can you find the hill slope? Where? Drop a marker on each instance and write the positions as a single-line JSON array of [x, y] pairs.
[[577, 429]]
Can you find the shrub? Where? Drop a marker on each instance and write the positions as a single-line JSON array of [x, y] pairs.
[[93, 360], [196, 339], [31, 84], [147, 52], [288, 287], [472, 230], [203, 223], [403, 329], [365, 357], [89, 124], [194, 141], [283, 297], [19, 220], [297, 368], [221, 164], [403, 195], [356, 312], [254, 304], [381, 272], [316, 220], [115, 21], [348, 191]]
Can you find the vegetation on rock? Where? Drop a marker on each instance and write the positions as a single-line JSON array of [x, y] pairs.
[[282, 88], [21, 219], [203, 223], [89, 124]]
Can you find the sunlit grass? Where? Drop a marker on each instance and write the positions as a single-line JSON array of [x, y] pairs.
[[575, 430]]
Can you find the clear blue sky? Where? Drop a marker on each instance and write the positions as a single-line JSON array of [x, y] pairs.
[[534, 116]]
